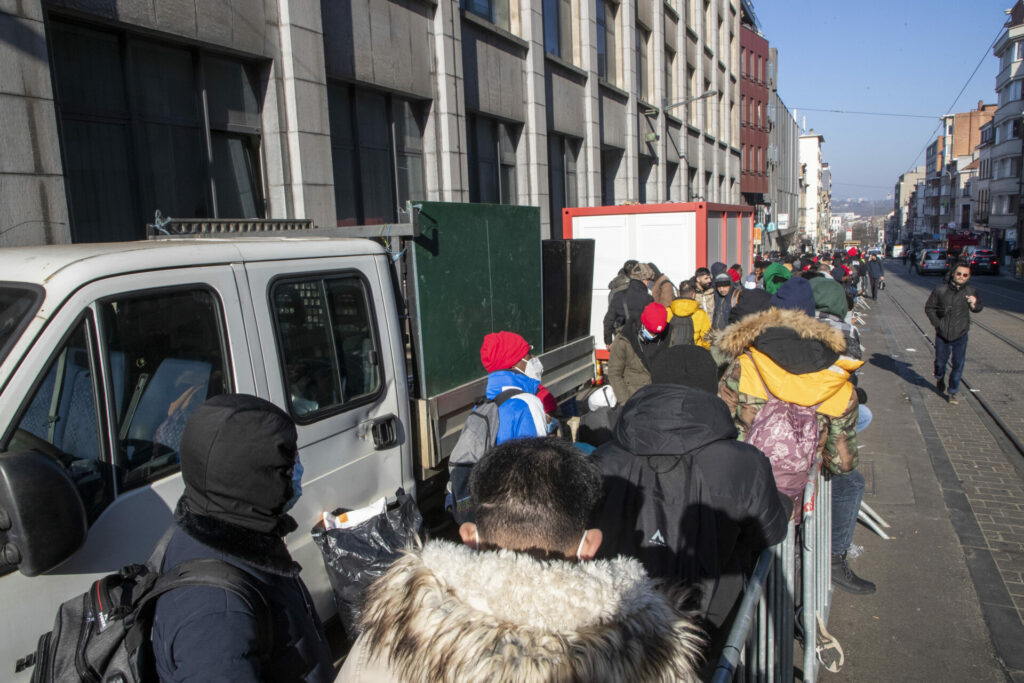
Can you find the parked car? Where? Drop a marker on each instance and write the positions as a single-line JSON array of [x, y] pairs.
[[984, 261], [932, 261]]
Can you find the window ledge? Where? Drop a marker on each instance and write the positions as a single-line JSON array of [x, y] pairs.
[[613, 89], [690, 33], [568, 66], [693, 130], [494, 29], [671, 10], [673, 119]]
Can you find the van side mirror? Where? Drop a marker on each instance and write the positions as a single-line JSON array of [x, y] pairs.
[[41, 513]]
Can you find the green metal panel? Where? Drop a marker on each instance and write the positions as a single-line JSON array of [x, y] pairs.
[[476, 268]]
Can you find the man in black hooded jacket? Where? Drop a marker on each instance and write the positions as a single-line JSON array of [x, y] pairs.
[[687, 499], [239, 461]]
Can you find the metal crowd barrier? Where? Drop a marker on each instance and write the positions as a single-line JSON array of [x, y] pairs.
[[760, 644]]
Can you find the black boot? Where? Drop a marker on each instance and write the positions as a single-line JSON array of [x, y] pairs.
[[844, 578]]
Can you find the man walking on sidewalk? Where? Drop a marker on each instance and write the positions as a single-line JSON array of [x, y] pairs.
[[876, 274], [949, 309]]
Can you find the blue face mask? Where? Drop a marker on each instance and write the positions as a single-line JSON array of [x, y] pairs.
[[646, 335], [296, 485]]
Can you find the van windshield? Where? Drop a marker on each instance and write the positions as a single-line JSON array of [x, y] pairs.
[[17, 305]]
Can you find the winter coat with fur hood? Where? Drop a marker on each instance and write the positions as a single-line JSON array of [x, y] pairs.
[[449, 613], [798, 358], [237, 454]]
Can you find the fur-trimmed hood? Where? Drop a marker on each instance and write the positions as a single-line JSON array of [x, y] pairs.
[[450, 613], [738, 337]]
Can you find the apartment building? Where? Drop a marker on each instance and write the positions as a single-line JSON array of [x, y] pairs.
[[756, 80], [811, 209], [342, 111], [996, 192], [901, 196]]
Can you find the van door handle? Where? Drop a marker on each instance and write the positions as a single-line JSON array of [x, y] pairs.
[[383, 431]]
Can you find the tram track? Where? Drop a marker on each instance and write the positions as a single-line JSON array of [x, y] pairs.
[[985, 405]]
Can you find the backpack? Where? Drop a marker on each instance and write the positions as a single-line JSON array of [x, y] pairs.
[[680, 330], [788, 435], [105, 634], [479, 434]]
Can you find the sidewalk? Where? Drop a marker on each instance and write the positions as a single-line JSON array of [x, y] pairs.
[[925, 623]]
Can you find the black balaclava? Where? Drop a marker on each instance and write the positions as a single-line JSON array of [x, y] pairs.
[[237, 454]]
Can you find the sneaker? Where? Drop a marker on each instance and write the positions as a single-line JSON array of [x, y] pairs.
[[952, 400], [940, 384], [844, 578]]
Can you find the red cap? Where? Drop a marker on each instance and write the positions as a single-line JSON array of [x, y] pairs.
[[845, 268], [502, 350], [852, 251], [734, 275], [654, 317]]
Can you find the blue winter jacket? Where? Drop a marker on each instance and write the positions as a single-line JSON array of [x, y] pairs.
[[514, 418]]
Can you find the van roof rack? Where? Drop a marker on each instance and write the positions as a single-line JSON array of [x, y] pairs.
[[164, 227]]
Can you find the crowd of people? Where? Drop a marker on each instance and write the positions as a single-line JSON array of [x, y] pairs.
[[615, 551]]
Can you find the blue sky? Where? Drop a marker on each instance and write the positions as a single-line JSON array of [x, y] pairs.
[[889, 56]]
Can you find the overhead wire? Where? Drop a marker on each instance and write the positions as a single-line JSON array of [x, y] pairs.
[[958, 96]]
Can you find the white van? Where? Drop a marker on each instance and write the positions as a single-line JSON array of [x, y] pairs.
[[106, 350]]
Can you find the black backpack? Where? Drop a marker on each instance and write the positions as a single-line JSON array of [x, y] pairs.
[[479, 433], [680, 330], [105, 634]]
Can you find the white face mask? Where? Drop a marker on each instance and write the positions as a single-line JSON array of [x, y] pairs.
[[534, 369]]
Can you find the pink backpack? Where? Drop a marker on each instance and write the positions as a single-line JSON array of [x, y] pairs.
[[788, 435]]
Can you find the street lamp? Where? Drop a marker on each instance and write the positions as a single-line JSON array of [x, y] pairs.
[[665, 106]]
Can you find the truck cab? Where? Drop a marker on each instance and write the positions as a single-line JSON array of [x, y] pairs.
[[106, 349]]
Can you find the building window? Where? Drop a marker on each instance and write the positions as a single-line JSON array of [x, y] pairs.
[[562, 178], [558, 33], [670, 76], [495, 11], [691, 84], [149, 126], [492, 160], [643, 75], [607, 50], [377, 152], [1018, 51], [611, 159], [672, 181]]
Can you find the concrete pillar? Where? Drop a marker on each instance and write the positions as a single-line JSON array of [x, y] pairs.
[[33, 204]]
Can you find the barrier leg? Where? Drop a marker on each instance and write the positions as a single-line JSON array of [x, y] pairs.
[[870, 523], [874, 515]]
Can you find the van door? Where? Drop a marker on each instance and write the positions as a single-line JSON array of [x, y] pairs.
[[328, 351], [106, 390]]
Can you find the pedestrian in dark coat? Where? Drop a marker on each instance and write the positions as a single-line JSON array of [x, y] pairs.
[[239, 462], [949, 309], [876, 273], [687, 499], [628, 302], [725, 296]]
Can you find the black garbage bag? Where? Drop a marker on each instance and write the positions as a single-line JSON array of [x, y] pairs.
[[355, 557]]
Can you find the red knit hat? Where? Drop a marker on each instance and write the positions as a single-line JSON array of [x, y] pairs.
[[734, 274], [654, 317], [502, 350]]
